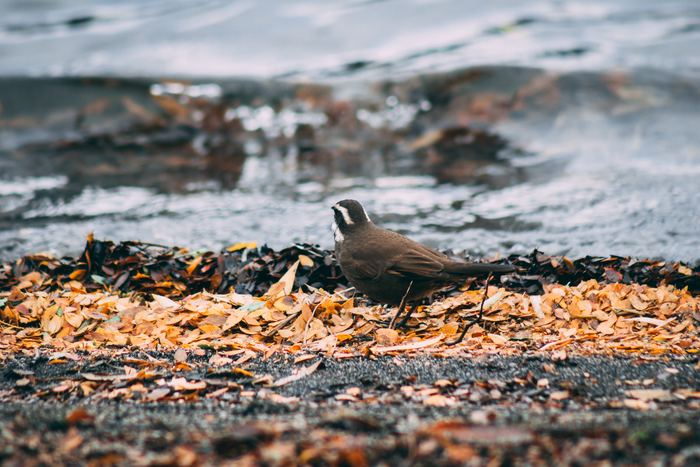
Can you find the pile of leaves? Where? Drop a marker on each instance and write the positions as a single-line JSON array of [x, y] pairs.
[[172, 271], [247, 269], [591, 317]]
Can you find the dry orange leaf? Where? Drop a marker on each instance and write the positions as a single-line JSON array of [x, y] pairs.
[[387, 336], [241, 246]]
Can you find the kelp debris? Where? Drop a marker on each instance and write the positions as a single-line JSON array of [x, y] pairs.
[[172, 271], [245, 268]]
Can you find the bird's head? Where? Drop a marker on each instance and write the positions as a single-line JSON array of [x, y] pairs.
[[348, 215]]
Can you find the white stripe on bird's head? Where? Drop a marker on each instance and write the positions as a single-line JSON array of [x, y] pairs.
[[366, 215], [345, 214]]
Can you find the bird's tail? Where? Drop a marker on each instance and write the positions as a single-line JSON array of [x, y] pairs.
[[478, 269]]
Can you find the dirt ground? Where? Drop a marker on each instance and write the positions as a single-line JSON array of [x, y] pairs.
[[532, 409]]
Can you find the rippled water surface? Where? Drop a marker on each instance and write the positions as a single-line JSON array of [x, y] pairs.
[[343, 38], [491, 127]]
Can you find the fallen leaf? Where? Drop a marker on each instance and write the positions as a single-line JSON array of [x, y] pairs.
[[559, 395], [439, 400], [385, 336], [409, 346], [297, 375], [181, 384], [306, 261], [636, 404], [536, 301], [650, 394], [157, 394], [165, 302], [79, 416], [286, 283], [241, 246], [497, 339], [180, 355]]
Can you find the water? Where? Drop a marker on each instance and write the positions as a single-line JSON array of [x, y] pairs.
[[589, 113], [315, 39]]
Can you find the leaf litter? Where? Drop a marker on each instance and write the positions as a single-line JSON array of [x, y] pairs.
[[590, 317], [301, 309]]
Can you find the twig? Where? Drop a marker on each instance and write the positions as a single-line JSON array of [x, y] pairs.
[[13, 326], [478, 318], [402, 305], [282, 324], [308, 321], [407, 316]]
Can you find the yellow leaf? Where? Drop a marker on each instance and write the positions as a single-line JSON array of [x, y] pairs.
[[585, 307], [605, 328], [208, 328], [450, 329], [139, 340], [306, 261], [581, 309], [286, 281], [241, 371], [343, 337], [193, 265], [536, 301], [241, 246], [78, 274]]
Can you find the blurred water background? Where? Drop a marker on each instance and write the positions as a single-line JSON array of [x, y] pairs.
[[491, 127]]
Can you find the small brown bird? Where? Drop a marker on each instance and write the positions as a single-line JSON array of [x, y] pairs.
[[391, 268]]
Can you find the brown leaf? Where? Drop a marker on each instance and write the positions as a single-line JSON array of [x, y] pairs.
[[181, 384], [157, 394], [386, 336], [559, 395], [637, 303], [439, 400], [79, 415], [421, 344], [650, 394], [297, 374]]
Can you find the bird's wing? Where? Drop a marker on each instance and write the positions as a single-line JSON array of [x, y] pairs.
[[366, 264], [417, 264], [367, 270], [411, 260]]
